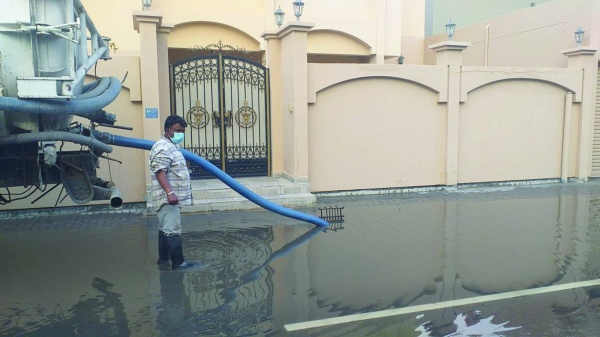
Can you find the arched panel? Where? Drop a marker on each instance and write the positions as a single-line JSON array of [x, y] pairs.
[[187, 35], [390, 132], [335, 42], [322, 76], [476, 77], [511, 130]]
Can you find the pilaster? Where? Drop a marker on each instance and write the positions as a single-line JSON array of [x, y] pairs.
[[585, 58], [292, 100], [146, 23], [450, 53], [163, 71]]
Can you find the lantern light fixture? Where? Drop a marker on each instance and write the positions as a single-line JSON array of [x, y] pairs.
[[298, 8], [450, 26], [579, 33], [279, 15], [146, 4]]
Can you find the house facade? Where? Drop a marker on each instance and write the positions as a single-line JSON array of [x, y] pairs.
[[356, 96]]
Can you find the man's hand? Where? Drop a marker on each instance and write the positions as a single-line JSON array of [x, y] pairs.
[[161, 176], [173, 199]]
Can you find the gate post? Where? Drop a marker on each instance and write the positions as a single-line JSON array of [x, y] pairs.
[[147, 24], [584, 58], [450, 53], [164, 90], [290, 99], [273, 62]]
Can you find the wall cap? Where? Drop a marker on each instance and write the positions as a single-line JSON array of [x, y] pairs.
[[146, 16], [449, 45], [294, 26], [165, 28], [580, 51], [269, 34]]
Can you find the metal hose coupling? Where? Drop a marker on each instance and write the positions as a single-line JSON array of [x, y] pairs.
[[110, 192]]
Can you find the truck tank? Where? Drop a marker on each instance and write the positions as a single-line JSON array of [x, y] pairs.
[[46, 49]]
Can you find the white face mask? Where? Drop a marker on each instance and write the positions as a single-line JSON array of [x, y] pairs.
[[177, 137]]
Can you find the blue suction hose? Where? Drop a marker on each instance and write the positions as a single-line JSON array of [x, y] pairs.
[[225, 178]]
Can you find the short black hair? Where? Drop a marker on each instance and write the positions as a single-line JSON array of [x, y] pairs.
[[174, 119]]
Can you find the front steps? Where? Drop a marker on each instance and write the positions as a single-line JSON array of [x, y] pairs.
[[214, 195]]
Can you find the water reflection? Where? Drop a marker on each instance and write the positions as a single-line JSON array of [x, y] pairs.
[[175, 318], [391, 252], [437, 250], [234, 295]]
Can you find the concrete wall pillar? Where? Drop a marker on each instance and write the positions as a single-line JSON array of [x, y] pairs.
[[293, 95], [450, 53], [147, 23], [585, 58], [378, 58], [164, 86], [273, 63]]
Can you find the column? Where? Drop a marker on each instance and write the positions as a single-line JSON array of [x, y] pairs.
[[450, 53], [585, 58], [273, 63], [146, 23], [164, 87], [293, 97]]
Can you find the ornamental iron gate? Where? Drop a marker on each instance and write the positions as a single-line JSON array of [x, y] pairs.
[[225, 101]]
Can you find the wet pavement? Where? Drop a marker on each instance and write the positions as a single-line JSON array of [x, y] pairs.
[[94, 272]]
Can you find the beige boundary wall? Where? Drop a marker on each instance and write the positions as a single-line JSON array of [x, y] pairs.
[[387, 126], [373, 126]]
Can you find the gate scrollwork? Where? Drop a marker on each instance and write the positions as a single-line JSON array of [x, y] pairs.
[[245, 116], [197, 116]]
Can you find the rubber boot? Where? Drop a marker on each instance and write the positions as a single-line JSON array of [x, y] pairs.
[[176, 254], [163, 248]]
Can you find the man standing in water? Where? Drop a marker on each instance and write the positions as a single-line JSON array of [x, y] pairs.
[[171, 189]]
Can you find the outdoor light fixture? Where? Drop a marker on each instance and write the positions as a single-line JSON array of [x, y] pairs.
[[401, 59], [298, 7], [579, 33], [279, 15], [450, 29], [146, 4]]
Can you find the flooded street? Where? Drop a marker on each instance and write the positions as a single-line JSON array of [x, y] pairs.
[[520, 257]]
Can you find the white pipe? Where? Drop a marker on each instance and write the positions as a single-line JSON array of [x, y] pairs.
[[564, 169], [487, 44]]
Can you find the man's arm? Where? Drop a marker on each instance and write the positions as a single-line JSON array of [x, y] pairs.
[[161, 176]]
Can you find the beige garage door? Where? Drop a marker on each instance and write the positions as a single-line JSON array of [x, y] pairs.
[[596, 144]]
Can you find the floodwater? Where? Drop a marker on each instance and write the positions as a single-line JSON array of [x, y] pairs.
[[535, 247]]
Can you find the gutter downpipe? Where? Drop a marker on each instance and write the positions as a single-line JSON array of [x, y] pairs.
[[487, 45]]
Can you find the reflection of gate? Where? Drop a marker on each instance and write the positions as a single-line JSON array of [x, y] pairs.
[[224, 100]]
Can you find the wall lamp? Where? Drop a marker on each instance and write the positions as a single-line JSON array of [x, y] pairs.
[[279, 15], [579, 33], [146, 4], [298, 7], [450, 26]]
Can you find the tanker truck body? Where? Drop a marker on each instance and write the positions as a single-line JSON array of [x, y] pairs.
[[46, 49]]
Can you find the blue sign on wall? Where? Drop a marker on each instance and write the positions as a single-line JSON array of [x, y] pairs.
[[151, 113]]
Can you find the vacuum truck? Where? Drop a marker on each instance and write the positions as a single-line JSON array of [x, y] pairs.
[[46, 49]]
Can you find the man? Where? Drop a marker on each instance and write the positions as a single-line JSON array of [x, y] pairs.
[[171, 189]]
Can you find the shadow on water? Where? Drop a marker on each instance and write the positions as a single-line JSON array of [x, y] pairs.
[[102, 315]]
